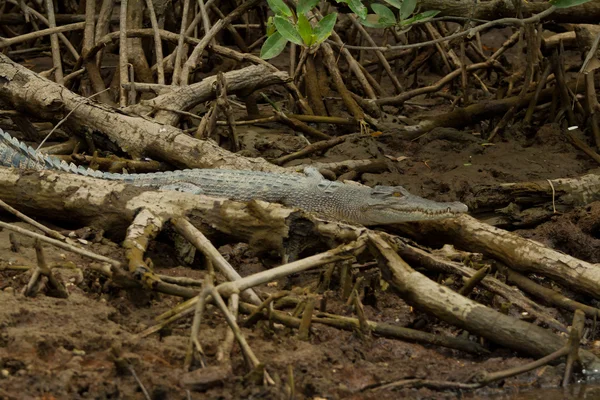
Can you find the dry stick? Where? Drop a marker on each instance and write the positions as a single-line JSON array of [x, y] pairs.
[[299, 117], [531, 57], [226, 289], [463, 312], [482, 380], [488, 378], [343, 252], [519, 253], [574, 340], [440, 49], [239, 40], [305, 322], [583, 146], [102, 26], [50, 232], [265, 305], [236, 55], [57, 287], [173, 37], [197, 238], [225, 106], [205, 20], [157, 43], [123, 54], [592, 105], [460, 117], [300, 126], [313, 90], [224, 350], [192, 61], [437, 263], [401, 98], [314, 147], [194, 58], [237, 332], [534, 100], [90, 66], [56, 59], [354, 65], [180, 45], [39, 16], [561, 87], [62, 245], [38, 34], [144, 227], [194, 342], [138, 381], [377, 328], [33, 286], [384, 62], [474, 280], [372, 81], [549, 296]]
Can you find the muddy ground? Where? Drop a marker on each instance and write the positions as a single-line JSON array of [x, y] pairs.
[[86, 346], [65, 348]]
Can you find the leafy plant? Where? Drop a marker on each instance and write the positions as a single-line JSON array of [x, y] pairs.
[[288, 26], [384, 17]]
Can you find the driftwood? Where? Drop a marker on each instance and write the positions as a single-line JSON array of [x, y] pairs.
[[518, 253], [113, 205], [28, 92], [522, 203], [461, 311]]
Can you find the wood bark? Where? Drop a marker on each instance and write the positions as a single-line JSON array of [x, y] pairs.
[[518, 253], [112, 206], [564, 192], [30, 93], [458, 310]]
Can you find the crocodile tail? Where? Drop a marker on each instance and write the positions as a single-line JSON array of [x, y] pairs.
[[18, 155]]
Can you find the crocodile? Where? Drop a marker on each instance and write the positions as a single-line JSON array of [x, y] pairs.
[[348, 202]]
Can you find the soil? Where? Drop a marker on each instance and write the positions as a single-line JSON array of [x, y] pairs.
[[86, 346]]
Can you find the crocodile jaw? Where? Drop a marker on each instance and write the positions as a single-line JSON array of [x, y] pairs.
[[411, 208]]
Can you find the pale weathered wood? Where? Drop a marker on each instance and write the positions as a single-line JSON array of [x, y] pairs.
[[30, 93]]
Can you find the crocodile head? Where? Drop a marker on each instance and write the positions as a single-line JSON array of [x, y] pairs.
[[393, 204]]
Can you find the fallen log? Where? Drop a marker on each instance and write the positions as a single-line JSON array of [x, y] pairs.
[[30, 93], [518, 253], [458, 310], [112, 206]]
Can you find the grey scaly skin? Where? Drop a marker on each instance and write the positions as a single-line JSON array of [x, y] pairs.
[[310, 192]]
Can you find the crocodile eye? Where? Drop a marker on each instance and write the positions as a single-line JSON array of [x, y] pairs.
[[397, 194]]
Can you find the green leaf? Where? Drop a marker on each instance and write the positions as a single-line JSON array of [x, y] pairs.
[[394, 3], [375, 21], [419, 17], [325, 27], [357, 8], [305, 29], [408, 7], [385, 14], [270, 26], [279, 7], [426, 14], [305, 6], [567, 3], [287, 30], [273, 46]]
